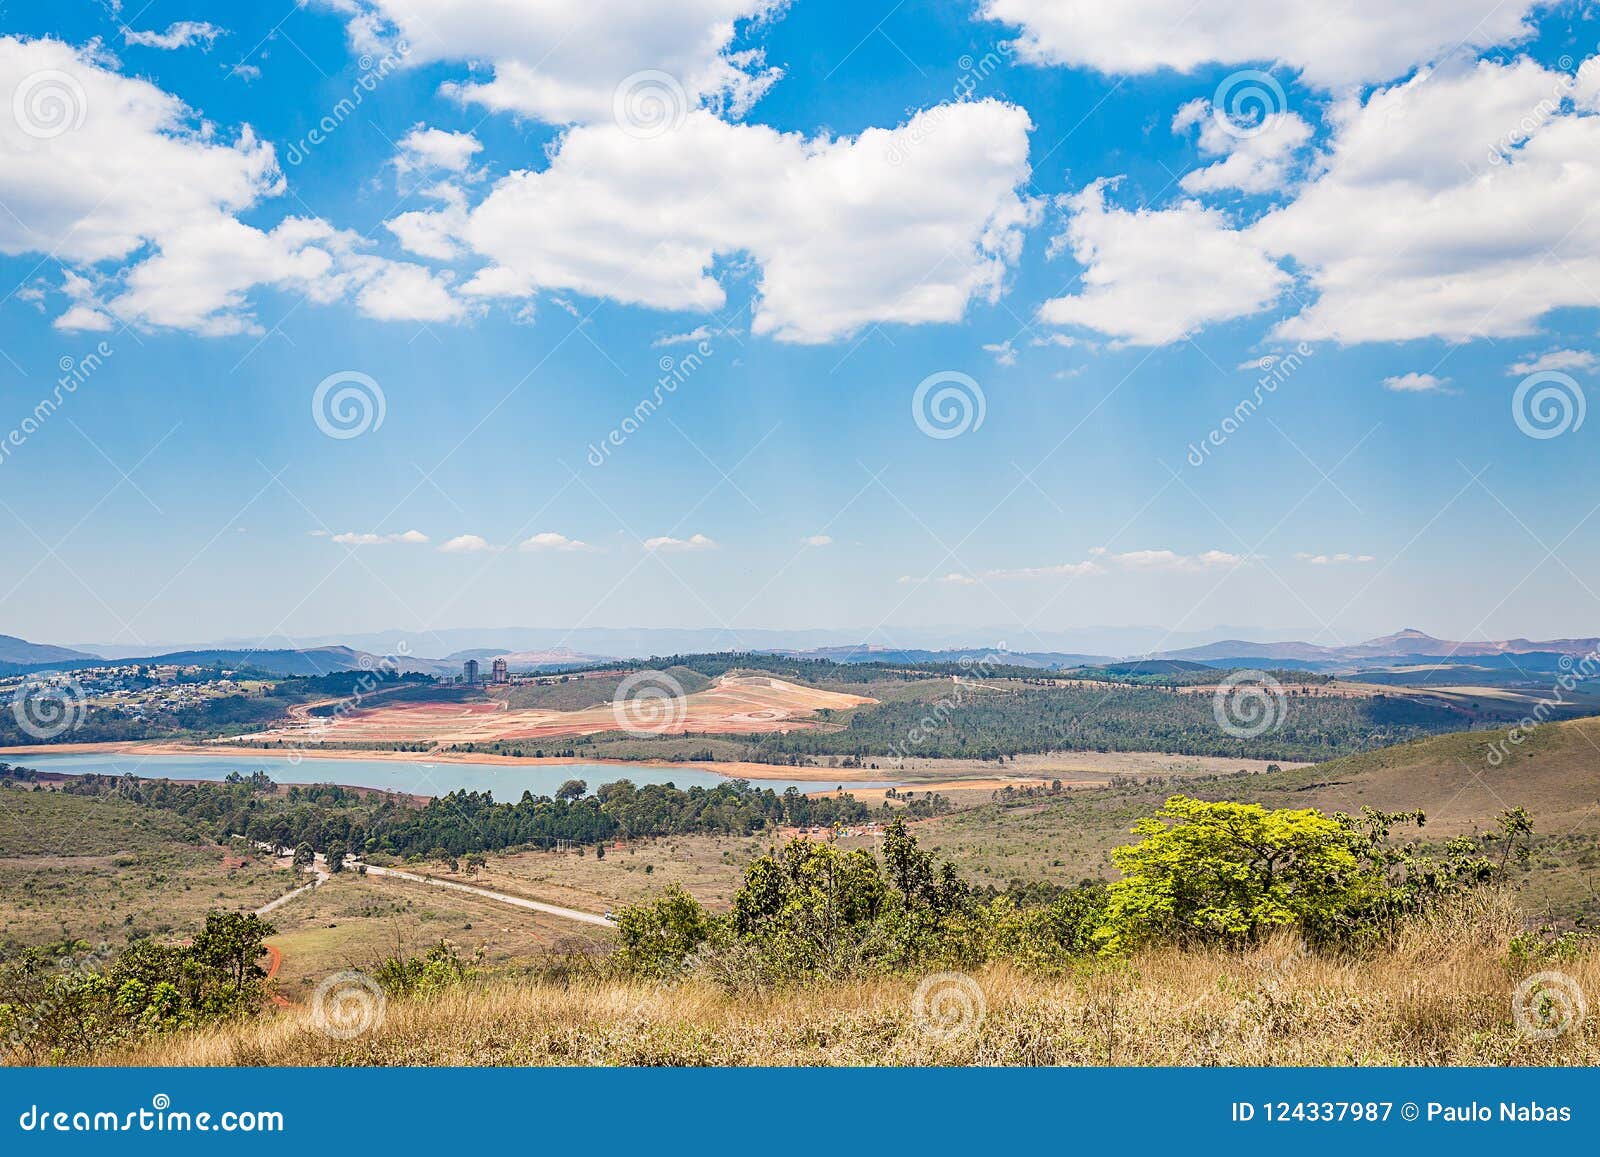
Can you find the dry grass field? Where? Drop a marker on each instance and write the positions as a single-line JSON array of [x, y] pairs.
[[354, 921], [1445, 994], [105, 871]]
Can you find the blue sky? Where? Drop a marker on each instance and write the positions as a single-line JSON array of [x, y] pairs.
[[506, 229]]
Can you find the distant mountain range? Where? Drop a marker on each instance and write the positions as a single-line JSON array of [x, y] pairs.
[[410, 652]]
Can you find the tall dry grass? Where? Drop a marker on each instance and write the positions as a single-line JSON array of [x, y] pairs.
[[1441, 994]]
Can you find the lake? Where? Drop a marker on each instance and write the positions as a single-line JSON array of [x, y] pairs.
[[507, 780]]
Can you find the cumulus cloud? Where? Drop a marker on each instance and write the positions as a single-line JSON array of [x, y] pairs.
[[1156, 276], [142, 201], [425, 149], [669, 545], [353, 538], [563, 62], [179, 34], [819, 540], [1256, 161], [893, 225], [1365, 41], [698, 334], [551, 541], [1557, 360], [467, 544], [1415, 383], [1457, 205]]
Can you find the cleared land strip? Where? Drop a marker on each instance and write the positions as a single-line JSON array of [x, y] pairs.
[[503, 897]]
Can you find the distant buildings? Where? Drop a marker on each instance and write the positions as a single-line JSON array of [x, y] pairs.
[[498, 672], [469, 672]]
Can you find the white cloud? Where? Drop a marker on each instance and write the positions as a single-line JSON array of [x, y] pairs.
[[1363, 40], [467, 544], [130, 175], [1059, 570], [1415, 383], [551, 541], [1102, 561], [894, 225], [668, 544], [1171, 560], [1257, 161], [1004, 352], [353, 538], [425, 149], [1157, 276], [957, 579], [180, 34], [1457, 205], [562, 61], [1555, 360], [698, 334], [1333, 559], [819, 540]]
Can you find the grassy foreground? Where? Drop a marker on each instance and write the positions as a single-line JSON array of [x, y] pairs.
[[1442, 993]]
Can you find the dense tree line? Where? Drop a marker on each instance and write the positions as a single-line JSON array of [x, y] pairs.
[[1008, 721], [464, 822]]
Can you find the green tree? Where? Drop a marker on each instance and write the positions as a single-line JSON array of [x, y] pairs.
[[572, 789], [305, 856], [1230, 872], [229, 944], [335, 856]]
